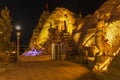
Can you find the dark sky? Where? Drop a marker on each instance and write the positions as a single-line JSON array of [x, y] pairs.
[[26, 13]]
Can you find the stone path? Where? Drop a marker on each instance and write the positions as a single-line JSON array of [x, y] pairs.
[[46, 70]]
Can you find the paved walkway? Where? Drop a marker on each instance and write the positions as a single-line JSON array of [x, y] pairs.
[[46, 70]]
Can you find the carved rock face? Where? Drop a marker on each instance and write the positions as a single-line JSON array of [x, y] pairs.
[[56, 20], [112, 31]]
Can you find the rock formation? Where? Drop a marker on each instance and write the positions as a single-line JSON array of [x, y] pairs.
[[56, 21], [39, 27], [96, 35]]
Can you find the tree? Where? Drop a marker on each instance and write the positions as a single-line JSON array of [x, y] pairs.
[[5, 29]]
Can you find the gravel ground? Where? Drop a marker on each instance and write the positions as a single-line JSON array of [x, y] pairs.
[[47, 70]]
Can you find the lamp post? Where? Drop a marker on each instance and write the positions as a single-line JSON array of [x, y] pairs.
[[18, 28]]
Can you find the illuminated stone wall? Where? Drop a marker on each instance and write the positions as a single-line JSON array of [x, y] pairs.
[[56, 21], [84, 34], [39, 27]]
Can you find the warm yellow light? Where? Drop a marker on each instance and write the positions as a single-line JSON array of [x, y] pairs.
[[56, 21], [112, 31], [1, 32], [18, 34], [76, 37], [80, 26]]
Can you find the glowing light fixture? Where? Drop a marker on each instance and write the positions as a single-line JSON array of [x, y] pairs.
[[1, 32], [18, 27]]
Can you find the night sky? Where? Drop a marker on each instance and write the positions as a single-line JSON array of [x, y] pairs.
[[26, 13]]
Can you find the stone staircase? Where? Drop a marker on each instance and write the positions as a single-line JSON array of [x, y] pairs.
[[71, 51]]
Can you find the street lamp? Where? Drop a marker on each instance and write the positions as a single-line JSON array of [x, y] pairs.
[[18, 28]]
